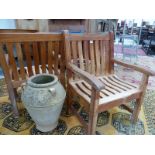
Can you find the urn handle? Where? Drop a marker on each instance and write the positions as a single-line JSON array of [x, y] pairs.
[[23, 86], [53, 91]]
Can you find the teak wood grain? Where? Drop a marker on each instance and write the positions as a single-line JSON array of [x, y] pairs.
[[28, 58], [98, 88], [13, 66]]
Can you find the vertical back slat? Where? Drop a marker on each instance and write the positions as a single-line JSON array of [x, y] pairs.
[[97, 57], [74, 54], [43, 56], [107, 62], [80, 53], [56, 53], [62, 63], [86, 56], [12, 61], [111, 53], [28, 57], [92, 57], [74, 51], [50, 57], [20, 60], [36, 57], [102, 49]]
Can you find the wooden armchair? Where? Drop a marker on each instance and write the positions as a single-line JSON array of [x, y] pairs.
[[36, 53], [90, 71]]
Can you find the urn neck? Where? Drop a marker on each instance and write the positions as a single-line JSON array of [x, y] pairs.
[[42, 80]]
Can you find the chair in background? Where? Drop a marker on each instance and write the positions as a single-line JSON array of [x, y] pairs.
[[149, 45], [144, 34], [90, 75], [129, 46], [36, 53]]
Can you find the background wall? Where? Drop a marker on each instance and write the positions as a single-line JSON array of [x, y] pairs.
[[7, 24]]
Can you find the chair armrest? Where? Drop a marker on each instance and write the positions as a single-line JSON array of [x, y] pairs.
[[135, 67], [92, 80]]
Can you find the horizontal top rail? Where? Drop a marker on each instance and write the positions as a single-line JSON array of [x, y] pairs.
[[85, 36], [30, 37]]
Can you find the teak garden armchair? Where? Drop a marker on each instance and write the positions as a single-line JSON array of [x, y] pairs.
[[90, 72], [36, 53]]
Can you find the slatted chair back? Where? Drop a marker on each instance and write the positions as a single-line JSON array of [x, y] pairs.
[[91, 52], [35, 53]]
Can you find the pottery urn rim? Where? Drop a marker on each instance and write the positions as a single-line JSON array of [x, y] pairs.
[[42, 80]]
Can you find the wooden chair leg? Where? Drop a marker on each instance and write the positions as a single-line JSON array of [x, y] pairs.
[[15, 93], [13, 101], [69, 102], [92, 122], [140, 100], [136, 111], [93, 112]]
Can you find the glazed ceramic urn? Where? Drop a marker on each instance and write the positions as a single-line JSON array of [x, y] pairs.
[[43, 96]]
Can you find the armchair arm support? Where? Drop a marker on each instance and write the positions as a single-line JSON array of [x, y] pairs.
[[135, 67], [92, 80]]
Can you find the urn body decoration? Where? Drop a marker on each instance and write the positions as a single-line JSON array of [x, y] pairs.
[[43, 96]]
